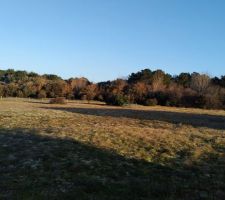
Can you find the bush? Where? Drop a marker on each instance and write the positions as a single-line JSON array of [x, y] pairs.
[[195, 101], [173, 100], [161, 97], [117, 100], [41, 94], [212, 98], [120, 100], [151, 102], [84, 97], [222, 97], [58, 100], [99, 97]]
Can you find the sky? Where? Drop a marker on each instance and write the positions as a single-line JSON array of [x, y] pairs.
[[107, 39]]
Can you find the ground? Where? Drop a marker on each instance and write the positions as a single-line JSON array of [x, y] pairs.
[[94, 151]]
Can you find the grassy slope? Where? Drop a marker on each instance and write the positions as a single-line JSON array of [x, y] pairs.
[[81, 151]]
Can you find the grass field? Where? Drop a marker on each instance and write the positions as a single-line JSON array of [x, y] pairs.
[[93, 151]]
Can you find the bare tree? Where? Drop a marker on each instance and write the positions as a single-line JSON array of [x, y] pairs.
[[157, 81], [77, 85], [90, 92], [200, 83]]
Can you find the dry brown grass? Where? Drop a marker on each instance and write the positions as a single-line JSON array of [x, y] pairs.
[[139, 152]]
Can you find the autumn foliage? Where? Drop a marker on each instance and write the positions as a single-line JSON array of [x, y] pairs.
[[145, 87]]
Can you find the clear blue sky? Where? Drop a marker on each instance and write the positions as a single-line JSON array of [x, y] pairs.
[[106, 39]]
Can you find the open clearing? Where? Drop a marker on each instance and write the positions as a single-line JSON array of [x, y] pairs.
[[94, 151]]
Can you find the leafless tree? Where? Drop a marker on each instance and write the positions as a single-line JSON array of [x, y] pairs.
[[200, 83]]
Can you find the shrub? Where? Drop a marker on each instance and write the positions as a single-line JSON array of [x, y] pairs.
[[41, 94], [212, 98], [196, 101], [120, 100], [161, 97], [151, 102], [222, 97], [99, 97], [172, 99], [84, 97], [58, 100], [117, 100]]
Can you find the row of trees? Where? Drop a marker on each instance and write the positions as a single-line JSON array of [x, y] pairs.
[[145, 87]]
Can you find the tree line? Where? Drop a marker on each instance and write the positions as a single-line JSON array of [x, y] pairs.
[[145, 87]]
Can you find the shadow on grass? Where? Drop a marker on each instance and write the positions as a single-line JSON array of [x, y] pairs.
[[70, 102], [33, 166], [37, 102], [196, 120]]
